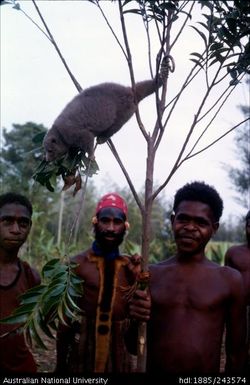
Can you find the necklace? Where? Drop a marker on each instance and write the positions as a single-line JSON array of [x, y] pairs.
[[5, 287]]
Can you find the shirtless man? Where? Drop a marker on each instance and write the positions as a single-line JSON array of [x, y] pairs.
[[238, 257], [191, 298], [96, 344], [16, 277]]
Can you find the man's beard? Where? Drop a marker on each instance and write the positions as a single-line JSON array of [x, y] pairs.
[[105, 244]]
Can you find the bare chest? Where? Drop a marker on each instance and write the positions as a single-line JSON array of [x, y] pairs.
[[241, 261], [179, 289], [100, 282]]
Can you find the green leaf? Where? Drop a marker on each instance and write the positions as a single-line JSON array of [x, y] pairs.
[[23, 309], [75, 279], [198, 55], [201, 34], [51, 264], [44, 326], [135, 11], [6, 2], [71, 303], [215, 61], [59, 281], [203, 25], [21, 318], [61, 314], [59, 269], [27, 337], [73, 292], [54, 290], [52, 181], [233, 74], [49, 305], [234, 82], [216, 46], [60, 277], [52, 301], [17, 6], [31, 299], [49, 186], [206, 3], [197, 62], [67, 310], [170, 6], [47, 172], [36, 290], [35, 334]]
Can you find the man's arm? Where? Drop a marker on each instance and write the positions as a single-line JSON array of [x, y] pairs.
[[236, 348], [140, 306], [139, 310], [133, 268], [228, 258]]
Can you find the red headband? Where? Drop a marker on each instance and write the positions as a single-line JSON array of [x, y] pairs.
[[112, 200]]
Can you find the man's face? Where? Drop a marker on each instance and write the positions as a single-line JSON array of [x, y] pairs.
[[193, 225], [110, 228], [15, 224]]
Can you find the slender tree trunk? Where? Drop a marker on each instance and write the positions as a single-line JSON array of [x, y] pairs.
[[60, 218], [146, 233], [76, 231]]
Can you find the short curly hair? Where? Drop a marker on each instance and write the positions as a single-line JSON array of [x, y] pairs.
[[201, 192], [12, 197]]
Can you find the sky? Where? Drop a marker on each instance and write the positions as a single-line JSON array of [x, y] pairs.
[[35, 87]]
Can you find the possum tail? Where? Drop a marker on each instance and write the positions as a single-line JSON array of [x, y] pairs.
[[146, 88]]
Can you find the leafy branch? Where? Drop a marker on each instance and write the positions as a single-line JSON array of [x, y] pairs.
[[70, 167], [52, 302]]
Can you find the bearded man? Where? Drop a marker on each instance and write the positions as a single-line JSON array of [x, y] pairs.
[[96, 343]]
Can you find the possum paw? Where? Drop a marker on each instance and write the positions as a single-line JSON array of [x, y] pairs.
[[101, 139], [72, 179]]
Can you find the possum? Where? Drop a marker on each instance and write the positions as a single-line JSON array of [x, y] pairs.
[[97, 112]]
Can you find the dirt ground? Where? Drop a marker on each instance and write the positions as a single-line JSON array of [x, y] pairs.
[[46, 359]]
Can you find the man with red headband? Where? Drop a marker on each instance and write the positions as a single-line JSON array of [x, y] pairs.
[[96, 343]]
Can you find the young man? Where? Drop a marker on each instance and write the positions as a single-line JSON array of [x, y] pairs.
[[238, 257], [191, 298], [16, 277], [96, 343]]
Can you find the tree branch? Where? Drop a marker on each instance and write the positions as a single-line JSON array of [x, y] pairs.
[[51, 38], [212, 119], [216, 140], [131, 70], [183, 25], [111, 29], [130, 183]]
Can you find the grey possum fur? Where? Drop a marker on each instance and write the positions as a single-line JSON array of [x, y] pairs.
[[99, 111]]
